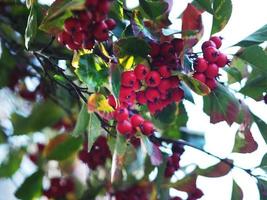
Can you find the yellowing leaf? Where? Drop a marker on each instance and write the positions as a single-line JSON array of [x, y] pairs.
[[104, 106], [98, 102], [127, 62]]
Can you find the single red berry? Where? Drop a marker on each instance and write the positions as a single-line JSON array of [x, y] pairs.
[[169, 171], [99, 17], [137, 120], [178, 45], [212, 71], [127, 96], [111, 23], [164, 86], [85, 18], [137, 85], [141, 98], [201, 65], [153, 79], [166, 49], [217, 40], [78, 37], [211, 54], [207, 44], [121, 114], [147, 128], [222, 60], [88, 43], [128, 79], [154, 49], [101, 31], [154, 107], [152, 94], [141, 71], [64, 37], [72, 25], [124, 127], [211, 83], [175, 81], [200, 77], [177, 95], [164, 71], [112, 101], [104, 6]]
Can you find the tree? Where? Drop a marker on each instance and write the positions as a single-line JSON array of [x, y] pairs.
[[106, 86]]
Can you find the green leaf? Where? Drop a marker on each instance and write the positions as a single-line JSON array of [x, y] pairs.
[[255, 38], [82, 121], [154, 9], [2, 136], [29, 3], [195, 85], [57, 13], [237, 70], [262, 185], [255, 56], [204, 4], [121, 145], [115, 79], [92, 70], [31, 28], [31, 188], [237, 193], [264, 161], [187, 93], [221, 105], [167, 115], [262, 126], [12, 163], [218, 170], [131, 46], [65, 149], [222, 10], [43, 115], [94, 130]]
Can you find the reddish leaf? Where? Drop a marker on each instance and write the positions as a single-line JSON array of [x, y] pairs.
[[192, 27], [244, 142], [218, 170], [187, 184]]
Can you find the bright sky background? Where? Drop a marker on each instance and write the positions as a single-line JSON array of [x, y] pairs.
[[247, 17]]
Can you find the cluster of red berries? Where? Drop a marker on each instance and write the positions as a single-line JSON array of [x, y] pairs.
[[167, 53], [207, 68], [34, 157], [133, 193], [173, 161], [88, 26], [156, 88], [59, 188], [98, 155]]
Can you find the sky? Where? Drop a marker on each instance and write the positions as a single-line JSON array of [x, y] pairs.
[[247, 17]]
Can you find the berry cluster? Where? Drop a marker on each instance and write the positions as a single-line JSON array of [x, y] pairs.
[[88, 26], [173, 161], [34, 157], [133, 193], [98, 155], [207, 68], [59, 188], [156, 88]]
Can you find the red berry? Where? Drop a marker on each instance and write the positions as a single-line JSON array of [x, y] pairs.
[[166, 49], [178, 45], [104, 6], [128, 79], [72, 25], [200, 77], [164, 86], [124, 127], [208, 44], [154, 49], [153, 79], [88, 44], [111, 23], [141, 71], [78, 37], [201, 65], [137, 85], [175, 81], [147, 128], [164, 71], [86, 18], [211, 83], [126, 94], [141, 98], [212, 71], [121, 114], [177, 95], [101, 31], [137, 120], [217, 40], [152, 94], [112, 101], [72, 46], [211, 54], [64, 37], [222, 60]]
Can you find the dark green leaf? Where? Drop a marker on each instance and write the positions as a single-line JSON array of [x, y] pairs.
[[31, 28], [92, 70], [222, 10], [154, 9], [237, 193], [262, 126], [257, 37], [187, 93], [237, 71], [262, 185], [31, 188], [264, 161], [138, 27], [12, 163], [203, 4], [193, 137], [115, 79], [121, 145], [65, 149], [43, 115], [221, 105], [94, 130], [168, 114], [82, 121]]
